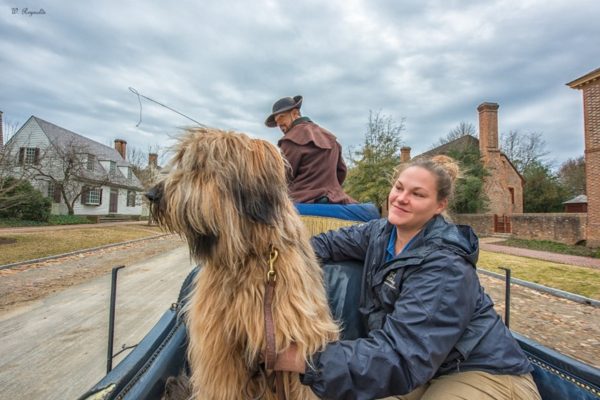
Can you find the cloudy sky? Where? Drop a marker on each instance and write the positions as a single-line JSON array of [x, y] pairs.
[[225, 62]]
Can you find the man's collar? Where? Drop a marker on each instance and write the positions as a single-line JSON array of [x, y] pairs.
[[300, 121]]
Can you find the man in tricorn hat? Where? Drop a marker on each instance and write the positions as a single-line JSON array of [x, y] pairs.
[[315, 157]]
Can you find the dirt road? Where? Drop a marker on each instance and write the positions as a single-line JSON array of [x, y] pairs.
[[55, 347]]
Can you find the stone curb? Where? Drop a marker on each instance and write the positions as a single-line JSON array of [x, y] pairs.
[[106, 246], [555, 292]]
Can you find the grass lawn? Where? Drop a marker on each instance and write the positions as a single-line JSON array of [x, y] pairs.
[[554, 247], [579, 280], [27, 246]]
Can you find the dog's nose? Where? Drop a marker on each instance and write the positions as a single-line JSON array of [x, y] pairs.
[[154, 194]]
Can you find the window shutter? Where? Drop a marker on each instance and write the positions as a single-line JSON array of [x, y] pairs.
[[36, 160], [57, 194], [84, 195], [21, 155], [100, 198]]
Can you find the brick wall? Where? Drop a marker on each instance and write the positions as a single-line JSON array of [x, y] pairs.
[[591, 115], [482, 224], [568, 228], [497, 186]]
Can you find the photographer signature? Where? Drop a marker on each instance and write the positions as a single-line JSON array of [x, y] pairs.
[[27, 11]]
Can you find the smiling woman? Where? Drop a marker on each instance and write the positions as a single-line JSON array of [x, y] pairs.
[[432, 330]]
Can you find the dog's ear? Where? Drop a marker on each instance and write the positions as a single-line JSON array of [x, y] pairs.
[[200, 244], [257, 203], [263, 190]]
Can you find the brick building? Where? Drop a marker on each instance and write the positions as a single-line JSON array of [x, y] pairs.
[[589, 84], [577, 204], [504, 185]]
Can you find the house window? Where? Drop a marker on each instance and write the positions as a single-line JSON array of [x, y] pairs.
[[129, 173], [91, 196], [131, 198], [51, 188], [29, 155], [54, 191], [90, 162], [512, 195], [113, 167], [94, 196]]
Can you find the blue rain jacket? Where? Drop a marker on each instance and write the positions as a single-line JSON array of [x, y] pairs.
[[425, 312]]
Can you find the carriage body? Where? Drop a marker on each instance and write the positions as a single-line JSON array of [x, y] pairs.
[[162, 352]]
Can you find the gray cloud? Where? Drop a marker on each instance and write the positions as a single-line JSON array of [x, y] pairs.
[[225, 63]]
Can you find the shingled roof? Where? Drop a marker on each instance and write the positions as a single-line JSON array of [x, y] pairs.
[[582, 198], [460, 144], [63, 138]]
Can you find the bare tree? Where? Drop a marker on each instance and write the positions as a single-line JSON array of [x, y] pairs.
[[142, 167], [524, 149], [571, 175], [462, 129], [71, 170], [10, 128]]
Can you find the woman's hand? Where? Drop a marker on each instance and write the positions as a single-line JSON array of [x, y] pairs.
[[290, 360]]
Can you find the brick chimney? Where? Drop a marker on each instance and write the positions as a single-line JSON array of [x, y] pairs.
[[153, 160], [404, 154], [488, 128], [121, 147], [1, 132], [589, 84]]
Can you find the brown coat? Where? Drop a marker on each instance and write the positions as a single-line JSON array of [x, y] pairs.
[[316, 165]]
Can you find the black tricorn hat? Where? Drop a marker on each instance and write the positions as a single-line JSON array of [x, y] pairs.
[[283, 105]]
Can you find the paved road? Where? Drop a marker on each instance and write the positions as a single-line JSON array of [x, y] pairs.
[[55, 348]]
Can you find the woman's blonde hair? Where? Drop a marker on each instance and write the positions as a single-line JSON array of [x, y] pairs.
[[444, 168]]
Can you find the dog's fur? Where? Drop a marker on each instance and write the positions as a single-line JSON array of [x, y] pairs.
[[227, 195]]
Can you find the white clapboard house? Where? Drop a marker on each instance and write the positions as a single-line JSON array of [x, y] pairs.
[[100, 180]]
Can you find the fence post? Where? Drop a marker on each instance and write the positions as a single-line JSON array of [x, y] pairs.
[[507, 297], [111, 317]]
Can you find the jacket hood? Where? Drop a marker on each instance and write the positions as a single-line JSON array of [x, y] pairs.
[[438, 233]]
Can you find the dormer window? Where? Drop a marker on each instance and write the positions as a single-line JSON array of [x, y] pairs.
[[113, 167], [129, 173], [90, 162]]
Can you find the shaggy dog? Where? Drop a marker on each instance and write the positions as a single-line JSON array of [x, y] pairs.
[[226, 194]]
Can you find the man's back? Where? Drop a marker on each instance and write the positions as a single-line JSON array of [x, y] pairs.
[[317, 168]]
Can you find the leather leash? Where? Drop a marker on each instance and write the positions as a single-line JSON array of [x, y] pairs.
[[271, 352]]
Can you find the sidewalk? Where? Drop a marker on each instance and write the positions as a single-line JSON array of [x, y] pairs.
[[487, 244]]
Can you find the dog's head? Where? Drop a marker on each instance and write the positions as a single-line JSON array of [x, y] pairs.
[[221, 187]]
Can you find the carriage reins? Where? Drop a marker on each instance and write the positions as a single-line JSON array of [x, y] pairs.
[[270, 351]]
